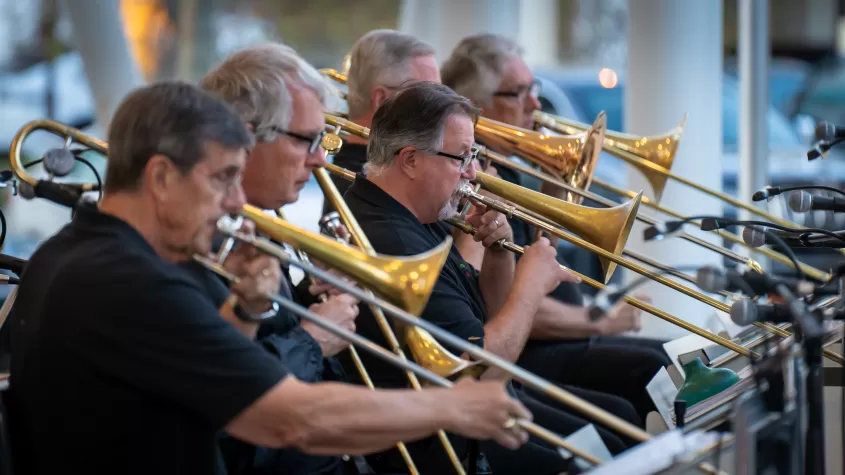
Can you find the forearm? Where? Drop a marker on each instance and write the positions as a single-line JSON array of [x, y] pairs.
[[559, 321], [372, 426], [471, 251], [508, 331], [496, 278]]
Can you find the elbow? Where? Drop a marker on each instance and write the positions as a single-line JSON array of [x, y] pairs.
[[289, 437]]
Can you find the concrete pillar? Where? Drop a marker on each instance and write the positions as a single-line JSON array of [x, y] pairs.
[[753, 100], [675, 67], [111, 69], [443, 23]]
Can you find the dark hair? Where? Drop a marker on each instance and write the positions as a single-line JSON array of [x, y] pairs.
[[416, 115], [171, 118]]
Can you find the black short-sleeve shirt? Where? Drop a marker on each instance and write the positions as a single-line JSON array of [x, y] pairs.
[[120, 361], [456, 304]]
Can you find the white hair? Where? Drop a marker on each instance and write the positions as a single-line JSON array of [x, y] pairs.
[[381, 57], [257, 81], [476, 66]]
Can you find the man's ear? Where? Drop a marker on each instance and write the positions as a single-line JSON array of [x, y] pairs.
[[378, 96], [160, 175], [409, 161]]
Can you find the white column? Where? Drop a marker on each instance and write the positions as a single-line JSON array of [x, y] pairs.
[[443, 23], [675, 67], [753, 99], [99, 37]]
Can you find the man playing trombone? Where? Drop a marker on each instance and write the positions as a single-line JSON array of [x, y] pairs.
[[489, 69], [121, 363], [382, 61], [281, 98], [419, 154]]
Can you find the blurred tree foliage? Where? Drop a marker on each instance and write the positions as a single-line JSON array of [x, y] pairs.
[[323, 31]]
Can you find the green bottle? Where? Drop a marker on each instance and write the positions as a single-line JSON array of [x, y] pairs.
[[702, 382]]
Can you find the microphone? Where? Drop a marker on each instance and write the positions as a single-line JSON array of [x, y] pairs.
[[603, 302], [768, 193], [59, 161], [60, 193], [746, 312], [757, 237], [827, 132], [802, 201], [753, 284]]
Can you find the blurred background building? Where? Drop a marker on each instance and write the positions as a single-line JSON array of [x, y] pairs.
[[644, 62]]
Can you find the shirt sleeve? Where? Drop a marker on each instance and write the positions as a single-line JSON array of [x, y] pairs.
[[299, 352], [448, 306], [173, 345]]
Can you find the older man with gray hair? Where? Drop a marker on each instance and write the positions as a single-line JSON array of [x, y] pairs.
[[382, 61], [490, 70], [281, 99]]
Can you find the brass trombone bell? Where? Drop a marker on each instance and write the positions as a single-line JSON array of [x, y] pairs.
[[656, 151], [406, 282], [572, 158], [607, 228]]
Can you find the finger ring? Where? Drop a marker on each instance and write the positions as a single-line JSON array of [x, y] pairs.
[[510, 423], [496, 222]]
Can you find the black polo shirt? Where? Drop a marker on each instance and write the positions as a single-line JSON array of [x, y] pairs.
[[353, 157], [456, 304], [120, 361]]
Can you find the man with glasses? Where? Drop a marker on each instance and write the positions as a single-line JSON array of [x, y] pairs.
[[121, 363], [420, 152], [280, 97], [490, 70]]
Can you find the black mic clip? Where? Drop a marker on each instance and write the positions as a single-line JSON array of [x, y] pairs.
[[768, 193]]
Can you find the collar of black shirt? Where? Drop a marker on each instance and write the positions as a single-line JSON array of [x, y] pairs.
[[352, 156], [373, 195], [90, 219]]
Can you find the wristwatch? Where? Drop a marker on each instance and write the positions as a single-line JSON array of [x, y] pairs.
[[248, 317]]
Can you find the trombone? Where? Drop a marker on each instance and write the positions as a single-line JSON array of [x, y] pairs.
[[653, 156], [415, 275], [353, 353], [563, 157], [402, 283], [544, 210]]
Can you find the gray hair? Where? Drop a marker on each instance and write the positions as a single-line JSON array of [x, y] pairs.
[[381, 57], [171, 118], [257, 81], [415, 116], [476, 66]]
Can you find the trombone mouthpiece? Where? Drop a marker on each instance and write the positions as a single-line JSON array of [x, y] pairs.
[[230, 224], [465, 191]]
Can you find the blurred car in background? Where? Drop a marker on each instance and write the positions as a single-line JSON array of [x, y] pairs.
[[578, 94]]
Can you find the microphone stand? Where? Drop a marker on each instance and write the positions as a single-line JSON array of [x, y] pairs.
[[810, 329]]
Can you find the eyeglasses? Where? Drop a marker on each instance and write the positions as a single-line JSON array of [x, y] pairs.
[[465, 160], [533, 90], [313, 142]]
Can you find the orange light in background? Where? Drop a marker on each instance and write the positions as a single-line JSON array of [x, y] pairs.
[[145, 22], [608, 78]]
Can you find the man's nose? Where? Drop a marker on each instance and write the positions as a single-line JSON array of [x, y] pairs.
[[317, 159], [235, 199], [469, 173]]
